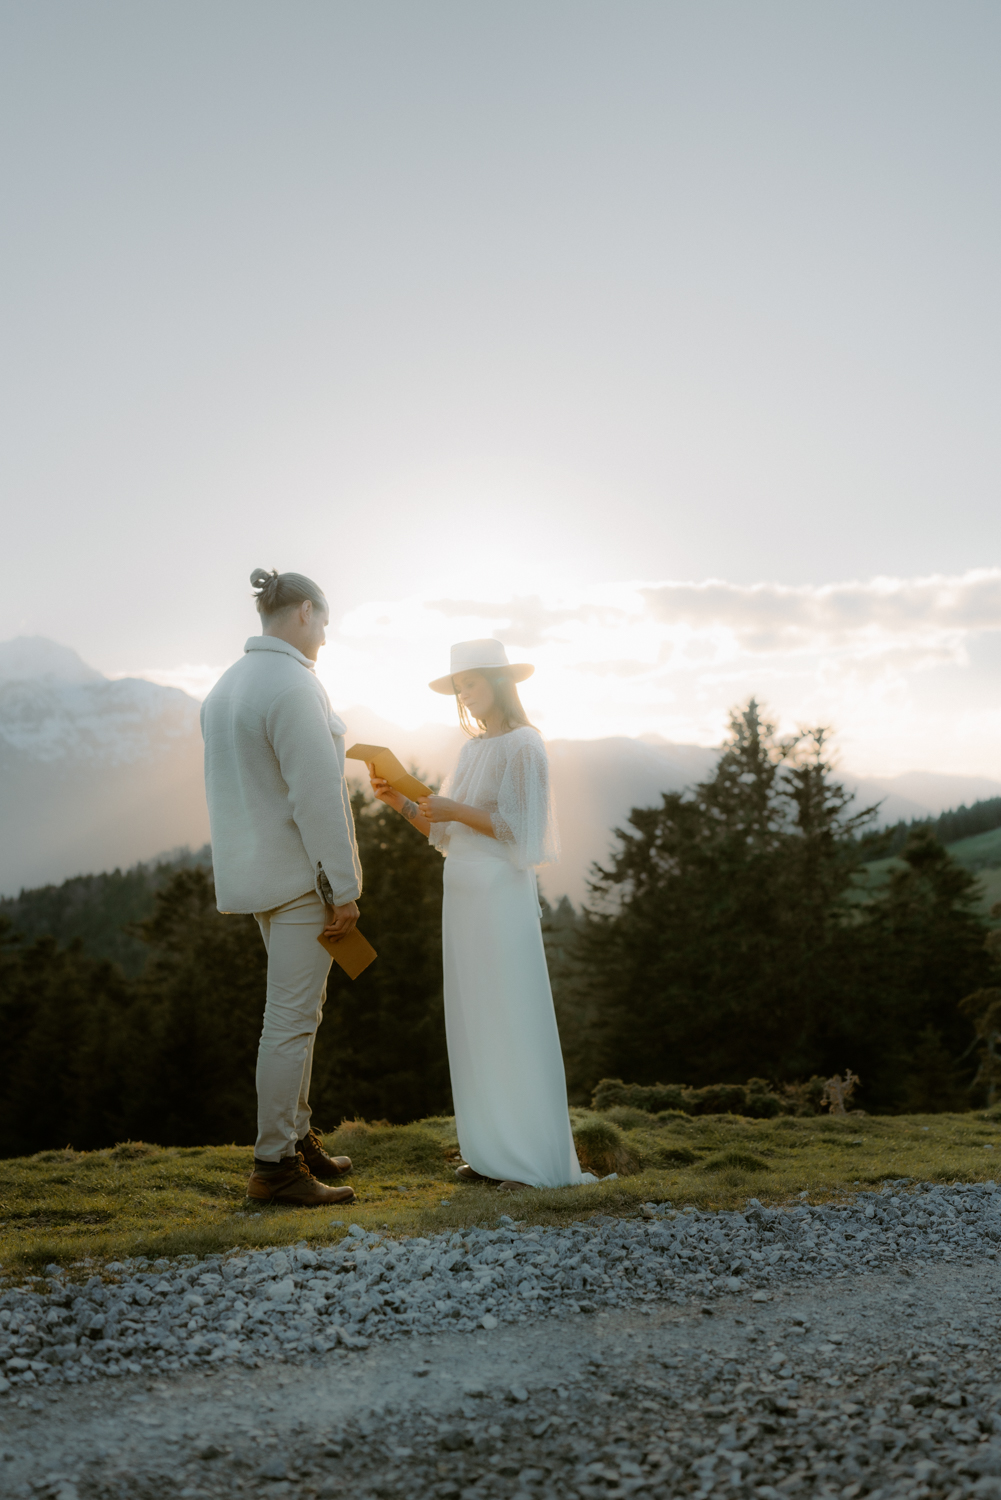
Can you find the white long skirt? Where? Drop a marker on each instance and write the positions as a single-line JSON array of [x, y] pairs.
[[508, 1080]]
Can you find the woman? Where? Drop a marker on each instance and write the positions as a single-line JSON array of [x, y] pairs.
[[495, 823]]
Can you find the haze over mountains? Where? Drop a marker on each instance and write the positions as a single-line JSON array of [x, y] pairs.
[[97, 773]]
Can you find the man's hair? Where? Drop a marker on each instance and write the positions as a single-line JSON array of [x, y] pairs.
[[276, 592]]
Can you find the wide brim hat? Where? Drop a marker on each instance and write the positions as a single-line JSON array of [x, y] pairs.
[[480, 656]]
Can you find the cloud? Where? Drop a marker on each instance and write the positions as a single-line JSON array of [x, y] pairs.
[[906, 671], [774, 617]]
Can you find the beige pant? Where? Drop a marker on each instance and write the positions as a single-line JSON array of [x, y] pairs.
[[297, 988]]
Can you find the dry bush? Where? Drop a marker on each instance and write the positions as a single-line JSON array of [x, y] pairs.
[[837, 1090]]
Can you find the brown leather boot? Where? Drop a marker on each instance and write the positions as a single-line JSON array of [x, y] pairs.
[[317, 1160], [295, 1185]]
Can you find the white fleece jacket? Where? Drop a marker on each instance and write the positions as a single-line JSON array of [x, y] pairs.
[[279, 811]]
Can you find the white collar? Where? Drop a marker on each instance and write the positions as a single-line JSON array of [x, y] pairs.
[[272, 643]]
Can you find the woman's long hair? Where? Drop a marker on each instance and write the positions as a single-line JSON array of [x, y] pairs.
[[506, 699]]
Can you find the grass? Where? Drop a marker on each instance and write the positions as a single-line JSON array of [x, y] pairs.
[[981, 851], [84, 1209], [980, 854]]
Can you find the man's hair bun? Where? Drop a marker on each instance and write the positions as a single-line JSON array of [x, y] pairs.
[[276, 591]]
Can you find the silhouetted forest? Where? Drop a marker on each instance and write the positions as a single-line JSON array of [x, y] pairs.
[[732, 935], [103, 911]]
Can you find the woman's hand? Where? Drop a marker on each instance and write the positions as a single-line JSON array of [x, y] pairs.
[[442, 809], [384, 792]]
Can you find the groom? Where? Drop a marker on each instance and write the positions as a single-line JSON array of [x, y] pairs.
[[283, 847]]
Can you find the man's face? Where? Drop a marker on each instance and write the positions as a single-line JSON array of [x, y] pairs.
[[314, 628]]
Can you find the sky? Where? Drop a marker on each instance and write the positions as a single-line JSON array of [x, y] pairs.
[[659, 340]]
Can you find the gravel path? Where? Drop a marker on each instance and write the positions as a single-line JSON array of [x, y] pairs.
[[846, 1351]]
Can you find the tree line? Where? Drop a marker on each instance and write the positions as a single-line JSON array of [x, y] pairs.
[[949, 827], [94, 1055], [734, 934]]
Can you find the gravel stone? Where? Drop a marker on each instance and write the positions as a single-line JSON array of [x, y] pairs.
[[302, 1302], [851, 1352]]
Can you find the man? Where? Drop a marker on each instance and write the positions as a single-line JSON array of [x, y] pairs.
[[283, 847]]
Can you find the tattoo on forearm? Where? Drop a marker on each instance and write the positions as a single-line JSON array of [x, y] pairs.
[[410, 810]]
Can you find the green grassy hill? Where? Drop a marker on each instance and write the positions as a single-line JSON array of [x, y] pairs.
[[980, 854], [75, 1208]]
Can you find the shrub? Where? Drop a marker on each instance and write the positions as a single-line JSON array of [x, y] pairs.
[[755, 1099], [601, 1148], [804, 1098], [647, 1097]]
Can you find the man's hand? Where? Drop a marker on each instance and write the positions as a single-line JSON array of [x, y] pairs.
[[340, 919]]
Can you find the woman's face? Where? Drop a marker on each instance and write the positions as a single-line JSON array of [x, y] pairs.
[[475, 693]]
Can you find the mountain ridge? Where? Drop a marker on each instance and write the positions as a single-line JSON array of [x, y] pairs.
[[104, 773]]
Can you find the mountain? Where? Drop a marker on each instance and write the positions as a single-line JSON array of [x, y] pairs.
[[933, 791], [97, 774], [597, 782], [94, 773]]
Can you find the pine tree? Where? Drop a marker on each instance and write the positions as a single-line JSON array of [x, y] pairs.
[[707, 935], [923, 945]]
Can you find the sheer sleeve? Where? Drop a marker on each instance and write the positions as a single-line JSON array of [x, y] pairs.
[[440, 833], [525, 818]]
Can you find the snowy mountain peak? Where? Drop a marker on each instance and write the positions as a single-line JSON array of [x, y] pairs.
[[34, 658]]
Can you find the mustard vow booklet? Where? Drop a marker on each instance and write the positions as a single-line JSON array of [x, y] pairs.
[[354, 953], [388, 767]]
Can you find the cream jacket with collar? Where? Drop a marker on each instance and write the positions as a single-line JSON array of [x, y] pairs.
[[279, 810]]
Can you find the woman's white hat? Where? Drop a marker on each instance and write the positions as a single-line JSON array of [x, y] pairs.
[[480, 656]]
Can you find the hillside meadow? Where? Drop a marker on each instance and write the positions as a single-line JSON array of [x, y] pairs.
[[82, 1210], [980, 854]]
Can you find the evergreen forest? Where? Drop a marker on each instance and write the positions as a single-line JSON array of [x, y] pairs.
[[753, 927]]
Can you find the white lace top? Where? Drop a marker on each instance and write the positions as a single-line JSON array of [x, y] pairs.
[[507, 777]]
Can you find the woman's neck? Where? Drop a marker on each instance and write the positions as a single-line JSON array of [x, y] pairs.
[[493, 724]]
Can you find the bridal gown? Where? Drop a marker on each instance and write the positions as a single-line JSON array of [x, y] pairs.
[[508, 1081]]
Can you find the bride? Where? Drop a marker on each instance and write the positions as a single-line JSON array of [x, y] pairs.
[[495, 823]]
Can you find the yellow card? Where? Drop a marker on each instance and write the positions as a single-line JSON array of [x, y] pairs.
[[354, 953], [389, 768]]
